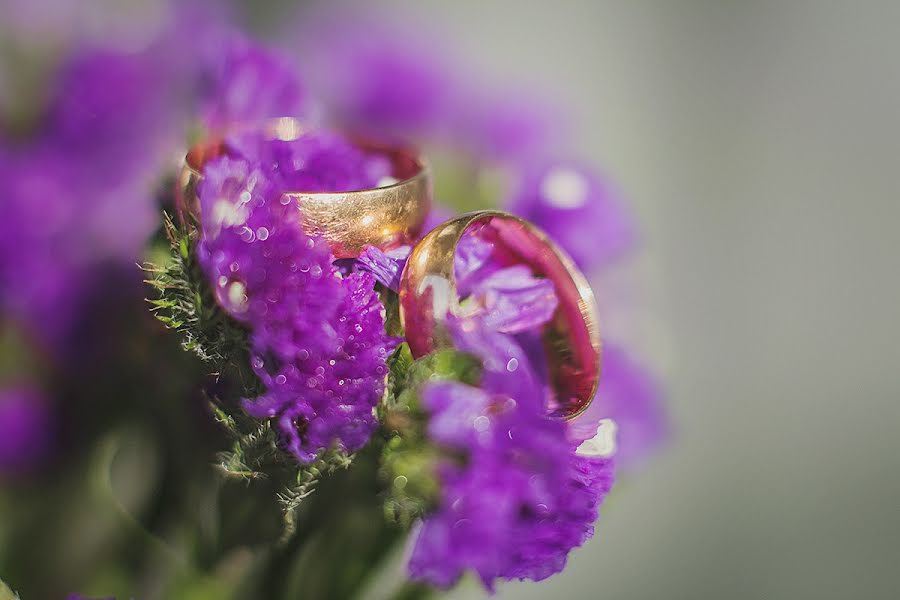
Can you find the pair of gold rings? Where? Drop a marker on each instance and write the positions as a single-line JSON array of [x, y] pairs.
[[392, 216]]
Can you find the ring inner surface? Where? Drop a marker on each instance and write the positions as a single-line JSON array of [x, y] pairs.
[[570, 342]]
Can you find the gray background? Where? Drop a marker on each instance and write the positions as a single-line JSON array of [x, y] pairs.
[[758, 142]]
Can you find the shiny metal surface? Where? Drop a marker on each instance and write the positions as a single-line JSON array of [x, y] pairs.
[[428, 296], [385, 217]]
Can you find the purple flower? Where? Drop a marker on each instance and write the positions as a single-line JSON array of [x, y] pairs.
[[516, 497], [506, 125], [377, 74], [509, 299], [317, 339], [578, 209], [517, 502], [386, 267], [25, 429], [79, 193], [246, 83]]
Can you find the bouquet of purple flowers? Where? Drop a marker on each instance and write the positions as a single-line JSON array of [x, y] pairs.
[[390, 373]]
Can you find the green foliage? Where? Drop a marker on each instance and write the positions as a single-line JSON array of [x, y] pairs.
[[185, 303], [408, 460]]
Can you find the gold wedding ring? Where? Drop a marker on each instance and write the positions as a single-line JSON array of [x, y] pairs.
[[571, 339], [386, 217]]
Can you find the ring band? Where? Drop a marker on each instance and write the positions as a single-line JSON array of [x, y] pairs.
[[386, 217], [571, 338]]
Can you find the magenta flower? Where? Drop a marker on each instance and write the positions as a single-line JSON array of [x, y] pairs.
[[317, 339]]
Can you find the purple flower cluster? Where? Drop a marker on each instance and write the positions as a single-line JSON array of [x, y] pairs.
[[317, 338], [516, 496]]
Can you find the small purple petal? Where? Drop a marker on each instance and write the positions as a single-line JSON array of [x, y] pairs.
[[514, 300], [386, 267]]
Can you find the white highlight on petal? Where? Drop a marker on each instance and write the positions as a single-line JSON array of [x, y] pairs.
[[237, 295], [602, 445], [228, 214], [440, 294], [564, 188]]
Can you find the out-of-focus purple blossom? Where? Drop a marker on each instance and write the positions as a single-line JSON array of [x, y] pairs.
[[508, 125], [516, 497], [25, 429], [437, 215], [317, 339], [80, 597], [578, 209], [377, 74], [79, 193], [245, 83], [630, 396], [396, 76]]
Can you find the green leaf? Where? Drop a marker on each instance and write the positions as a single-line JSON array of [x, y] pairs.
[[408, 461]]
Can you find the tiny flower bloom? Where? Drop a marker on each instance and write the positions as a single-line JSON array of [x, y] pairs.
[[78, 193], [517, 500], [379, 75]]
